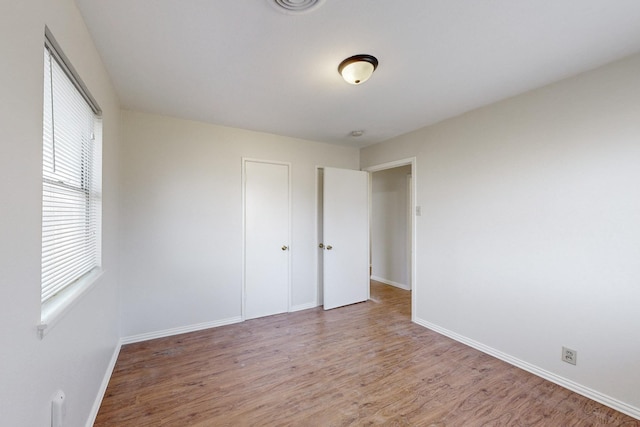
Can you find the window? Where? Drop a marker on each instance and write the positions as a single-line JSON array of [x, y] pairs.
[[71, 180]]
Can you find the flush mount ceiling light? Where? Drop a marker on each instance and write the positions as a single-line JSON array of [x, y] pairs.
[[358, 68], [295, 6]]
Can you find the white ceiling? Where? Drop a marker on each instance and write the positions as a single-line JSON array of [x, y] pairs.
[[243, 63]]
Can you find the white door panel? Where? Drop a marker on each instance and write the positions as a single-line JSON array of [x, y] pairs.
[[345, 237], [266, 239]]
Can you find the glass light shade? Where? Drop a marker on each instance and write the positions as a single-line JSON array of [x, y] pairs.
[[357, 72], [357, 69]]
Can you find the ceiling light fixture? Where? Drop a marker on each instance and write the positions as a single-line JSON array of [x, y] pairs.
[[296, 6], [358, 68]]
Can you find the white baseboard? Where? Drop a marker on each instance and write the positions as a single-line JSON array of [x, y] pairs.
[[103, 386], [301, 307], [180, 330], [391, 282], [550, 376]]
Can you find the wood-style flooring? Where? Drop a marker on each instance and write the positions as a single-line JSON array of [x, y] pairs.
[[364, 364]]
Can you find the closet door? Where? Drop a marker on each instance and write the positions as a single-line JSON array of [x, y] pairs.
[[266, 233]]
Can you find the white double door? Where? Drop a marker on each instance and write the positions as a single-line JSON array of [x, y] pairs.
[[345, 257]]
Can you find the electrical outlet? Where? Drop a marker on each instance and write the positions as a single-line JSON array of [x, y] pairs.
[[569, 356]]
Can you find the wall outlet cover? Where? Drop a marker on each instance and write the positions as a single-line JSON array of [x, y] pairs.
[[569, 356]]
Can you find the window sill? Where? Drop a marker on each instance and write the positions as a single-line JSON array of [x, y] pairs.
[[56, 308]]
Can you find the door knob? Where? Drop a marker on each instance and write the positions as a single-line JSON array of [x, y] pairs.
[[321, 245], [329, 247], [284, 248]]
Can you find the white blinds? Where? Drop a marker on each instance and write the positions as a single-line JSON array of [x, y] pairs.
[[71, 180]]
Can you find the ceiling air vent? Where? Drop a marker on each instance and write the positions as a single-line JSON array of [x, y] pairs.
[[296, 6]]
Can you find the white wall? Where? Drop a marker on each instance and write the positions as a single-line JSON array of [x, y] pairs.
[[75, 354], [530, 227], [389, 210], [182, 218]]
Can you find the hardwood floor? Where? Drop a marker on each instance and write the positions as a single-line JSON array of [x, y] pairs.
[[364, 364]]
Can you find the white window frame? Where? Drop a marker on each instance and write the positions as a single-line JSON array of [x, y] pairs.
[[71, 188]]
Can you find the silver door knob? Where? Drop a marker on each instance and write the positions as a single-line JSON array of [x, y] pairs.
[[329, 247], [284, 248]]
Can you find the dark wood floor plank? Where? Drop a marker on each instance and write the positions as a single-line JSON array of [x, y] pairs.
[[364, 364]]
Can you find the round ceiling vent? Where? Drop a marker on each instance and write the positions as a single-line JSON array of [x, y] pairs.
[[296, 6]]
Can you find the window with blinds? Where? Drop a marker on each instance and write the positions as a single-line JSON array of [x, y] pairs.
[[71, 177]]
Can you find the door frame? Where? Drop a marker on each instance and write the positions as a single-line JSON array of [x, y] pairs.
[[410, 218], [412, 161], [244, 230], [318, 222]]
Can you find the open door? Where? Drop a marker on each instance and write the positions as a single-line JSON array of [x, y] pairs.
[[345, 237]]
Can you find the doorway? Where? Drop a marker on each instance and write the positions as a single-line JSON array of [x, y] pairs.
[[392, 218]]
